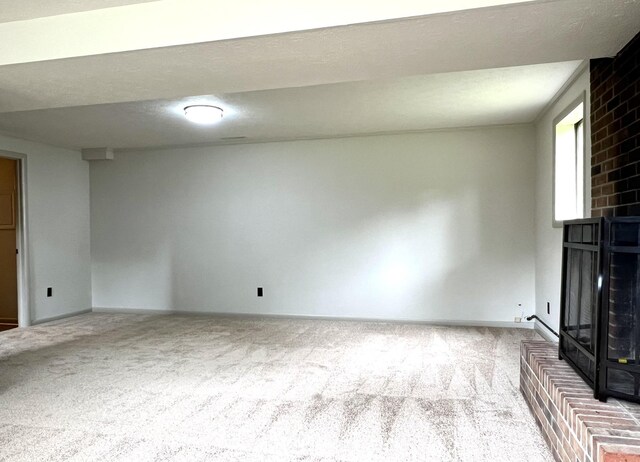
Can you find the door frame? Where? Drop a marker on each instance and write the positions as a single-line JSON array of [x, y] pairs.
[[22, 241]]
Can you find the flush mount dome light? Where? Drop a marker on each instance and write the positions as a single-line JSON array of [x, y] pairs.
[[203, 114]]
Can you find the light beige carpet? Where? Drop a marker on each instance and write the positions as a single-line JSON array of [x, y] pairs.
[[143, 387]]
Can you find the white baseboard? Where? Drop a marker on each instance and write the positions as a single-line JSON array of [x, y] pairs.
[[437, 322], [61, 316]]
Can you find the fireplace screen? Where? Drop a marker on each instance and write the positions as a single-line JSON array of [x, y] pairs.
[[599, 313]]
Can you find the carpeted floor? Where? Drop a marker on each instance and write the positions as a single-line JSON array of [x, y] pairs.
[[144, 387]]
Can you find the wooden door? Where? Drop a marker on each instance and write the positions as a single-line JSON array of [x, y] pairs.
[[8, 240]]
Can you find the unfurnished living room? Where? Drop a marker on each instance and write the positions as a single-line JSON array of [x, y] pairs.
[[320, 230]]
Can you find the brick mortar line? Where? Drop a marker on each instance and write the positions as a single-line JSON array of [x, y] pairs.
[[632, 416], [571, 430], [594, 444]]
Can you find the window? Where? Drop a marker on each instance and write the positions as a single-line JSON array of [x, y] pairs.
[[568, 181]]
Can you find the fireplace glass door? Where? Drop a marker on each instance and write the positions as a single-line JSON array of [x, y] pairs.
[[621, 371], [578, 329]]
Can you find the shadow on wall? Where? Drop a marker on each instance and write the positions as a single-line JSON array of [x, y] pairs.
[[402, 266], [325, 232], [388, 263]]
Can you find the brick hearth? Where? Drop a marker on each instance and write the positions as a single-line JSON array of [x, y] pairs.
[[576, 426]]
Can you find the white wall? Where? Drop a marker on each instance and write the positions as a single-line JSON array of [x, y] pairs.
[[431, 226], [548, 238], [58, 228]]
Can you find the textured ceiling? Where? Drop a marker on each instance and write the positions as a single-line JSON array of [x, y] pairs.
[[528, 33], [455, 68], [486, 97]]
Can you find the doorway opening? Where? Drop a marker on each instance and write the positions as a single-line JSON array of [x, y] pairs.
[[14, 306]]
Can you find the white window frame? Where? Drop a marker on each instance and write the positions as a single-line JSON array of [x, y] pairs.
[[581, 164]]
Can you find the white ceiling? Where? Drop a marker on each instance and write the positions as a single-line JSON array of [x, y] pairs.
[[20, 10], [515, 35], [485, 97], [439, 70], [180, 22]]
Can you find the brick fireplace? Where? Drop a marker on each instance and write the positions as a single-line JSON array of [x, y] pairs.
[[615, 133], [576, 426]]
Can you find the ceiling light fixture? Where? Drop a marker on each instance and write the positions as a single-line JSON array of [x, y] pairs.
[[203, 114]]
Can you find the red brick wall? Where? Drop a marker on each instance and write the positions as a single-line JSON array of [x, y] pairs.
[[615, 133], [577, 427]]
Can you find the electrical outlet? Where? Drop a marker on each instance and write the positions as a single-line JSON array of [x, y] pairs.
[[517, 319]]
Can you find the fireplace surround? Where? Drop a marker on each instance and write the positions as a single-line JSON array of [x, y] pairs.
[[599, 316]]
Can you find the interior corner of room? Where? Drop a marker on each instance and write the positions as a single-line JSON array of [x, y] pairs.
[[444, 183]]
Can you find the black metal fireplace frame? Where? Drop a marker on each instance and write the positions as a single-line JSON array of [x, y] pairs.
[[601, 303], [597, 247]]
